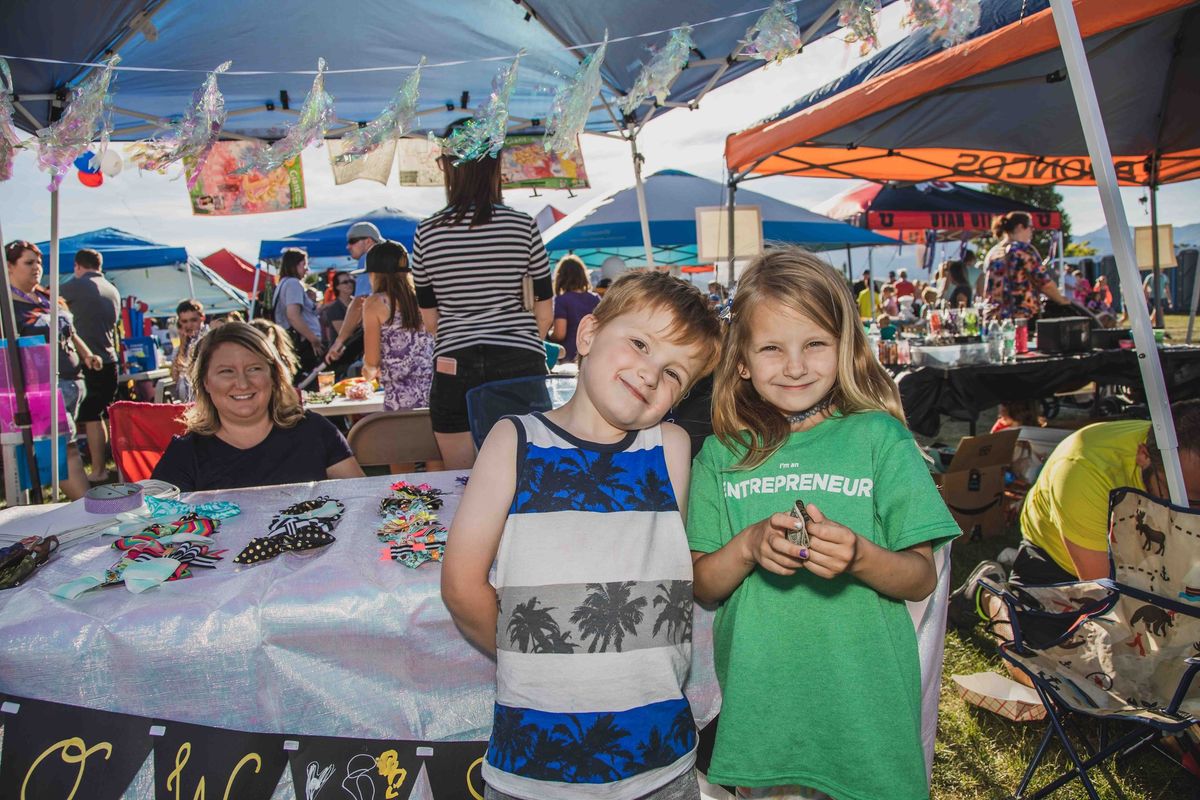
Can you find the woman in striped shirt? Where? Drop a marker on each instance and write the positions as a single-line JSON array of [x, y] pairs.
[[469, 262]]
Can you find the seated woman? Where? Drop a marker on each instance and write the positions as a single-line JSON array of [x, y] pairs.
[[247, 427]]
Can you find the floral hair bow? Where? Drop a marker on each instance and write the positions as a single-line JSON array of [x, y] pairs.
[[404, 495], [415, 549]]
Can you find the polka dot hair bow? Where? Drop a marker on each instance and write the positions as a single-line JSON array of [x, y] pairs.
[[304, 526]]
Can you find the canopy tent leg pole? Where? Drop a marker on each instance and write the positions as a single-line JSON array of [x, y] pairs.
[[641, 198], [21, 416], [1114, 212], [187, 266], [1156, 272], [732, 192], [1195, 299], [1062, 264], [53, 335], [849, 265], [254, 292]]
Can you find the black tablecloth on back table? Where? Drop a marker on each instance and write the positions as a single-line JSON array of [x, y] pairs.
[[963, 392]]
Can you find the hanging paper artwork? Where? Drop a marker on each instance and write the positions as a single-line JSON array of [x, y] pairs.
[[417, 163], [192, 137], [375, 166], [483, 134], [397, 119], [952, 21], [526, 164], [656, 78], [858, 17], [775, 36], [572, 105], [9, 140], [85, 120], [225, 187], [316, 115]]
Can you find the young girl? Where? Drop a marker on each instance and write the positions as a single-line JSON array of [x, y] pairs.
[[814, 649]]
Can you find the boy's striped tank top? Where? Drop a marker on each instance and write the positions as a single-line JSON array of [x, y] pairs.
[[594, 636]]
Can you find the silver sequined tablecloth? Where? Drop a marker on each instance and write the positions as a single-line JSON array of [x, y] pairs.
[[336, 642]]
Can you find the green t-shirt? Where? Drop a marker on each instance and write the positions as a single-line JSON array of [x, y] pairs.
[[820, 678]]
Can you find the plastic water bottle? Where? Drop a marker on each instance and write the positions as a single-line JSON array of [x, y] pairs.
[[1008, 333], [995, 342]]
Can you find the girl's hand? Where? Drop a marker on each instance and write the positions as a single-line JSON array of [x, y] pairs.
[[766, 544], [833, 546], [93, 362]]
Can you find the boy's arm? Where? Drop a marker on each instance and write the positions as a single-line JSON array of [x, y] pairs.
[[475, 536], [677, 450]]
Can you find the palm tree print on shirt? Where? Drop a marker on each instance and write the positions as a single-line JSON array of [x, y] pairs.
[[588, 748], [607, 614], [676, 599], [582, 480], [535, 630]]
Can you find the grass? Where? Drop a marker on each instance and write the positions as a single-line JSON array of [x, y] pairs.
[[981, 755]]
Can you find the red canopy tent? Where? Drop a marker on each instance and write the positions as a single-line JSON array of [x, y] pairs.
[[907, 212], [237, 270]]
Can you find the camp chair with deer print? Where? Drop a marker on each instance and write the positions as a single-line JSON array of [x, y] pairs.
[[1134, 650]]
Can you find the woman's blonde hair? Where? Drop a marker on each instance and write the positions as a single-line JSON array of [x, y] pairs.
[[284, 409], [282, 341], [804, 284]]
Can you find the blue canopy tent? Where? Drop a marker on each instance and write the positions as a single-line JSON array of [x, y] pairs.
[[610, 226], [326, 244], [156, 274], [167, 47]]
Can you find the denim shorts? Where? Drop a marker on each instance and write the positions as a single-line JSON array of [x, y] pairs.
[[474, 366]]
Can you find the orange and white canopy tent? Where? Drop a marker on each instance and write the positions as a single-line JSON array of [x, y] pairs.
[[998, 108]]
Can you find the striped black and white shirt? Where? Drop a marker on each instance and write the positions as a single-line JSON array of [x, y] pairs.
[[472, 276]]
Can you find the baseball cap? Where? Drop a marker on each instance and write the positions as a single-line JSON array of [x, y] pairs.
[[388, 257], [364, 230]]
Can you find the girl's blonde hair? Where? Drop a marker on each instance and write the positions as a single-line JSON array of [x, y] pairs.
[[804, 284], [284, 409]]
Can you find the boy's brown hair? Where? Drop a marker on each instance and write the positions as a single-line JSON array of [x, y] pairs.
[[692, 319]]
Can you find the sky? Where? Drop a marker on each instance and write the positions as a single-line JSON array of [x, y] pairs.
[[157, 207]]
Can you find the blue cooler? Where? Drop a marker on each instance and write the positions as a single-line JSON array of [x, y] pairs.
[[140, 353]]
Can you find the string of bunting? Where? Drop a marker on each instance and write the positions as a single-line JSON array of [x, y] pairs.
[[57, 750], [773, 37]]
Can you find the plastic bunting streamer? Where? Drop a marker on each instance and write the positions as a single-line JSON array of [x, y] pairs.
[[9, 140], [952, 21], [859, 17], [397, 119], [193, 136], [572, 105], [483, 135], [316, 115], [656, 78], [85, 120], [775, 36]]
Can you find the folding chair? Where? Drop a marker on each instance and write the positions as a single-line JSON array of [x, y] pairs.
[[1134, 648], [140, 434], [487, 403], [394, 437]]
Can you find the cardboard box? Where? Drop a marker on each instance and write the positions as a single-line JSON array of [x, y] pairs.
[[973, 484]]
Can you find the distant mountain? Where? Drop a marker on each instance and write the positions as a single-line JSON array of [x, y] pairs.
[[1185, 236]]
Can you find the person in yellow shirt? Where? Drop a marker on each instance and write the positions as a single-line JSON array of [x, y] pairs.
[[1064, 521]]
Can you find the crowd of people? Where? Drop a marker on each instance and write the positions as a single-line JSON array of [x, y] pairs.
[[1010, 281]]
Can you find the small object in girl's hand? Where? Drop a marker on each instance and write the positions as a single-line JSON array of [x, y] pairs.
[[800, 534]]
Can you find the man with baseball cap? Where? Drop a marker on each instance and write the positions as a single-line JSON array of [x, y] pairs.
[[360, 238]]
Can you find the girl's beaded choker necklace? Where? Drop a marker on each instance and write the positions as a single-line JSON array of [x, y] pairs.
[[800, 416]]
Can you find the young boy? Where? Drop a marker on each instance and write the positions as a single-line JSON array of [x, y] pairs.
[[590, 617]]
